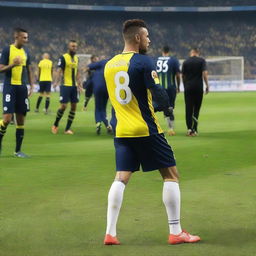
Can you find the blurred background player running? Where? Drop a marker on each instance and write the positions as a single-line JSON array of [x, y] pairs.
[[45, 81], [168, 69]]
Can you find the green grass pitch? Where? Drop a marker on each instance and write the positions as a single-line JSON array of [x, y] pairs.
[[54, 203]]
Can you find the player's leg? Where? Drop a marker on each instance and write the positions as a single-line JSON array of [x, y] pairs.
[[20, 119], [170, 119], [63, 105], [126, 163], [47, 97], [198, 97], [74, 98], [7, 118], [40, 97], [71, 117], [171, 200], [189, 111], [115, 199]]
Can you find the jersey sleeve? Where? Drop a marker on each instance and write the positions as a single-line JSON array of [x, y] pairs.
[[28, 59], [61, 63], [150, 75], [97, 65], [5, 56]]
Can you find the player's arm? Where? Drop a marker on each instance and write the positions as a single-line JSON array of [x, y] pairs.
[[30, 79], [97, 65], [60, 71], [159, 94], [78, 78], [4, 66], [205, 77], [177, 75], [30, 75]]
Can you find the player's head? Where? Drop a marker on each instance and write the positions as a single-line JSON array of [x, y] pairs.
[[20, 36], [72, 47], [46, 56], [166, 50], [135, 33], [194, 52], [94, 58]]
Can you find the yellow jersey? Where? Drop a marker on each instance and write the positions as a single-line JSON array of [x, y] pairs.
[[45, 67]]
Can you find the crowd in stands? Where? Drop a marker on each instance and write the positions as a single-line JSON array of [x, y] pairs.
[[100, 34], [148, 2]]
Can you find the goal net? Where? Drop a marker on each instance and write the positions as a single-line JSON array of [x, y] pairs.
[[84, 60], [226, 73]]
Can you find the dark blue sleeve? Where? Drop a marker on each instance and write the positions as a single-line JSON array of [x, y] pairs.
[[150, 75], [28, 58], [97, 65], [5, 55], [61, 63], [204, 66]]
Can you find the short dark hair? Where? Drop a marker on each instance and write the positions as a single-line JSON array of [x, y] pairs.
[[72, 41], [131, 27], [195, 49], [93, 56], [20, 30], [166, 49]]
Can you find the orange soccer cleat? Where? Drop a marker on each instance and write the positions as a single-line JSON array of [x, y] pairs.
[[54, 129], [111, 240], [183, 237]]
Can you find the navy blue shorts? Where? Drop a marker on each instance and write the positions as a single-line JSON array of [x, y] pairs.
[[45, 86], [15, 99], [68, 94], [151, 152]]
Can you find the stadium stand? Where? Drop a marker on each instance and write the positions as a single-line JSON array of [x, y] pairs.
[[217, 34]]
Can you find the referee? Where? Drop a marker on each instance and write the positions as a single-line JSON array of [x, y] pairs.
[[194, 72]]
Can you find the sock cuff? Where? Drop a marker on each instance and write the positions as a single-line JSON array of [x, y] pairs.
[[20, 126], [171, 180], [119, 182]]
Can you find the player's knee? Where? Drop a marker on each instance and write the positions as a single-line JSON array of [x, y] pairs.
[[170, 174]]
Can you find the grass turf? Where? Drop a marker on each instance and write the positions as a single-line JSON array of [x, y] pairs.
[[54, 203]]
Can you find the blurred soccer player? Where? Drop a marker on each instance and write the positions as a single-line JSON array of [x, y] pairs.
[[194, 71], [100, 94], [15, 63], [168, 69], [45, 81], [131, 82], [68, 69]]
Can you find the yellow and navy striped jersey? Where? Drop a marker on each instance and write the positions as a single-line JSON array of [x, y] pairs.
[[18, 74], [167, 68], [69, 65], [129, 77], [45, 67]]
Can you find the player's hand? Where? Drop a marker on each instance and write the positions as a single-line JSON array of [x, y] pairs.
[[80, 89], [168, 111], [30, 92], [207, 90], [17, 61]]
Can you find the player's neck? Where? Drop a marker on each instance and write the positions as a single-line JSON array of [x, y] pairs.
[[131, 48], [17, 45]]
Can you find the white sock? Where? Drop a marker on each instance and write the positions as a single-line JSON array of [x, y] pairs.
[[115, 198], [171, 199], [170, 123]]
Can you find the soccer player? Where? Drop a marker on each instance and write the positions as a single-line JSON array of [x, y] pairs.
[[45, 81], [100, 95], [131, 82], [168, 69], [68, 69], [194, 72], [15, 63]]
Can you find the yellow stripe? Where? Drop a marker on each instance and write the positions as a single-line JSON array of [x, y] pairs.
[[20, 126]]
